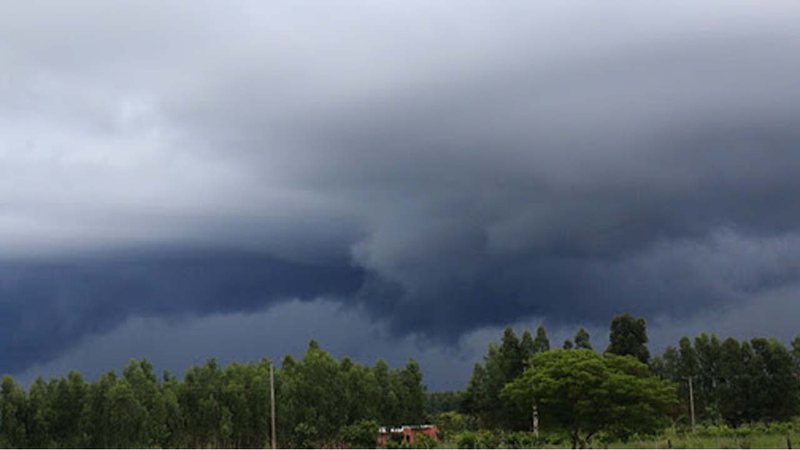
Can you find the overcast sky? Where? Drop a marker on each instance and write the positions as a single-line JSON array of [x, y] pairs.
[[181, 180]]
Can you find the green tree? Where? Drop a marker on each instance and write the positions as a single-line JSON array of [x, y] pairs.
[[414, 396], [440, 402], [199, 397], [68, 402], [13, 433], [126, 416], [708, 350], [171, 433], [582, 340], [526, 345], [95, 413], [734, 384], [39, 415], [475, 397], [451, 423], [776, 388], [511, 355], [541, 343], [585, 393], [629, 337], [144, 384], [390, 409], [796, 353], [311, 400], [360, 434]]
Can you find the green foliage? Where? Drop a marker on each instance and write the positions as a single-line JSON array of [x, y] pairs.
[[732, 383], [755, 435], [502, 439], [582, 340], [744, 393], [502, 365], [319, 396], [12, 411], [439, 402], [584, 393], [321, 402], [361, 434], [541, 343], [629, 337], [452, 423]]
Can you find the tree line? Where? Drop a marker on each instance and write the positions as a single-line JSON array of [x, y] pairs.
[[734, 382], [523, 391], [575, 390], [320, 402]]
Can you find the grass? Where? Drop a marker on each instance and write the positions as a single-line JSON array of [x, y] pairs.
[[744, 437], [697, 440]]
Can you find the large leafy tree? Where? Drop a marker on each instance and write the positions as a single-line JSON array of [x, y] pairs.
[[585, 393], [629, 337]]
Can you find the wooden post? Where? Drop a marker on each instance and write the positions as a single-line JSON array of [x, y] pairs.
[[788, 442], [272, 403]]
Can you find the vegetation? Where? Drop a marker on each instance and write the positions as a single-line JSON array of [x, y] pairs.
[[745, 394], [584, 393], [322, 402], [625, 395]]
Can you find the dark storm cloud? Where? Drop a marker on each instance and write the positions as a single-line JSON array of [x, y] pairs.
[[449, 166], [48, 306]]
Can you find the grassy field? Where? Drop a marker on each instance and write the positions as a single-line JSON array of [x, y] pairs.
[[785, 435], [688, 440]]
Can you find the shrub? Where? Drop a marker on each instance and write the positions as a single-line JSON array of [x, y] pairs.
[[362, 434]]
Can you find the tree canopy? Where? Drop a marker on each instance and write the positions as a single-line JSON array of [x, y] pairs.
[[629, 337], [320, 402], [586, 393]]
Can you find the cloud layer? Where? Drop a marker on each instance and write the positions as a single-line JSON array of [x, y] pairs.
[[439, 167]]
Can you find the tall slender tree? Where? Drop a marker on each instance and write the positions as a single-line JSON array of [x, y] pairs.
[[582, 340], [629, 337], [541, 343]]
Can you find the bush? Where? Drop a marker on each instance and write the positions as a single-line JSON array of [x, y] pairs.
[[362, 434], [451, 424], [521, 439]]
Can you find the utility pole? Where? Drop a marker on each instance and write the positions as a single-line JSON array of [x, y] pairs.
[[272, 403], [691, 400]]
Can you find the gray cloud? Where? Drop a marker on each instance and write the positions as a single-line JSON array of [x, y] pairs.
[[483, 164]]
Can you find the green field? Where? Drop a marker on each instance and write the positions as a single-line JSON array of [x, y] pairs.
[[782, 435]]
